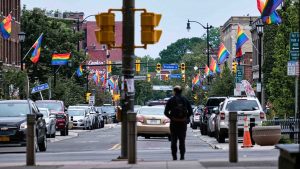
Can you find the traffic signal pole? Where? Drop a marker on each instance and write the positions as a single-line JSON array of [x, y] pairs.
[[128, 140]]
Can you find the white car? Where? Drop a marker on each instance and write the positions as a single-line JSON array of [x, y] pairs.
[[50, 120], [248, 107], [80, 118]]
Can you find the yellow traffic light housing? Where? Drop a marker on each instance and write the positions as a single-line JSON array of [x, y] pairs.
[[138, 65], [109, 66], [166, 77], [106, 32], [234, 67], [182, 67], [183, 78], [148, 22], [158, 67], [148, 78], [87, 97]]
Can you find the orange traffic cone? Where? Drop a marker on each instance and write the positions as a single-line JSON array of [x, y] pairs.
[[247, 139]]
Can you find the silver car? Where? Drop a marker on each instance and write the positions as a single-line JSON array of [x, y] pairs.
[[80, 118], [50, 120]]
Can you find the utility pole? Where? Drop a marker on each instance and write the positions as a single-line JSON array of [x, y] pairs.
[[128, 63]]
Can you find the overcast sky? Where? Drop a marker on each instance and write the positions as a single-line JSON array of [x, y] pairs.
[[174, 15]]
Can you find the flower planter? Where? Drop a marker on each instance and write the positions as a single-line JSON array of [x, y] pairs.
[[266, 135]]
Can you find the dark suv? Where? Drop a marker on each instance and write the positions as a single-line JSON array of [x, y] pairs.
[[13, 123], [57, 107], [211, 103]]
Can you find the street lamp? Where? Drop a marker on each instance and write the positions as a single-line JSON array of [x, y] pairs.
[[260, 32], [22, 36]]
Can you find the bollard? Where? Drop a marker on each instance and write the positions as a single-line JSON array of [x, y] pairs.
[[30, 138], [233, 151], [252, 124], [131, 117]]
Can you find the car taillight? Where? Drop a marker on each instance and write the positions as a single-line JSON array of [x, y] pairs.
[[206, 110], [140, 119], [222, 115], [262, 115], [197, 114], [166, 121]]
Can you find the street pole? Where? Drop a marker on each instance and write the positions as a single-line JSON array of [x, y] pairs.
[[78, 43], [87, 82], [30, 148], [21, 44], [259, 66], [128, 63], [208, 53], [296, 96]]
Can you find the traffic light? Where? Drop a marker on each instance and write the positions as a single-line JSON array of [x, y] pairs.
[[148, 22], [234, 65], [166, 77], [158, 67], [183, 78], [87, 97], [138, 65], [148, 78], [182, 67], [105, 34], [109, 66]]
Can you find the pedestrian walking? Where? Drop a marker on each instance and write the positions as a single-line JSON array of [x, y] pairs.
[[178, 110]]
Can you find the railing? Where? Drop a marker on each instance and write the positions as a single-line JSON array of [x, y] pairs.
[[289, 127]]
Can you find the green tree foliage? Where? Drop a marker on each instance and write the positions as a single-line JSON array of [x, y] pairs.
[[280, 86], [214, 37], [17, 79]]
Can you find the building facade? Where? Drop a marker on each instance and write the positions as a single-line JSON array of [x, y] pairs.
[[10, 48], [229, 38]]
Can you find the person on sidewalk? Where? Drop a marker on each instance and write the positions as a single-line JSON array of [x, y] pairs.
[[178, 110]]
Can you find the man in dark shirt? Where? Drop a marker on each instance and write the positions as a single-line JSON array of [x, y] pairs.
[[178, 126]]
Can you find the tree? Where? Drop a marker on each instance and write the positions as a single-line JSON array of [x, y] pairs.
[[214, 37]]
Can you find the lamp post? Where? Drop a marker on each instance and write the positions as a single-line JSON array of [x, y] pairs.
[[207, 27], [78, 22], [260, 31], [22, 36]]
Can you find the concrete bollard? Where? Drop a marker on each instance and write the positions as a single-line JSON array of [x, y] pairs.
[[31, 145], [233, 150], [131, 117]]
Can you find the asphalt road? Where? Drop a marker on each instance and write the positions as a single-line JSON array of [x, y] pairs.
[[104, 145]]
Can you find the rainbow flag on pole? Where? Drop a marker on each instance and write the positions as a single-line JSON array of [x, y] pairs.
[[214, 66], [223, 54], [60, 59], [242, 38], [269, 7], [274, 18], [79, 71], [207, 71], [5, 27], [35, 56]]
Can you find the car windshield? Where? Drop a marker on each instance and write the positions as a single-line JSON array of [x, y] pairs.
[[79, 107], [14, 109], [50, 105], [242, 105], [78, 112], [108, 109], [214, 101], [152, 111], [44, 112]]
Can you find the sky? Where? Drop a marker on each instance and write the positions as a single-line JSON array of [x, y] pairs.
[[175, 14]]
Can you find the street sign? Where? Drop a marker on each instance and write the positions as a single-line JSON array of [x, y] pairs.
[[293, 68], [294, 55], [40, 88], [161, 87], [175, 76], [170, 66], [294, 41], [92, 100], [140, 77]]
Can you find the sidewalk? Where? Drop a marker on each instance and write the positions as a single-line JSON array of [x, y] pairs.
[[149, 165]]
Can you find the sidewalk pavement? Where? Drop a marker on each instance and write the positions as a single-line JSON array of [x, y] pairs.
[[149, 165]]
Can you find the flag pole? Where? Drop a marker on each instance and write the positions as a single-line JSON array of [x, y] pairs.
[[31, 48]]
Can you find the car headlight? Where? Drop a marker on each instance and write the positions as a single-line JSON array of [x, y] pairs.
[[80, 120], [23, 125]]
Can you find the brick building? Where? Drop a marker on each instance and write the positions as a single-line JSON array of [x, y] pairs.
[[10, 48]]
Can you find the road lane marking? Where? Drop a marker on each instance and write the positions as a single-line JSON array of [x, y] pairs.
[[115, 147]]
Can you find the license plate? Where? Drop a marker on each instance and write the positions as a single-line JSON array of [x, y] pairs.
[[61, 124], [4, 138], [153, 121]]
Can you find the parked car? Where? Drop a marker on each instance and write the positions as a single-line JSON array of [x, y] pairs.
[[245, 107], [94, 116], [110, 112], [58, 108], [80, 118], [152, 122], [13, 123], [137, 108], [211, 127], [50, 122], [195, 117], [211, 103]]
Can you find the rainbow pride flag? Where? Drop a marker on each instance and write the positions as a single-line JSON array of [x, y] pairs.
[[35, 56], [111, 82], [60, 59], [269, 7], [223, 54], [214, 66], [242, 38], [79, 71], [207, 71], [5, 27], [274, 18], [103, 79]]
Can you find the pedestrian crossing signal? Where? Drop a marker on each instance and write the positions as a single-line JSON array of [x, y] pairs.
[[158, 67]]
